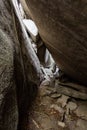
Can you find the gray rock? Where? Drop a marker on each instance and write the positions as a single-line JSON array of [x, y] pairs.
[[45, 83], [57, 27], [61, 124], [57, 108], [72, 106], [81, 111], [49, 72], [49, 61], [21, 10], [32, 29], [63, 100], [8, 97], [44, 91], [44, 122], [55, 95], [70, 91], [46, 101], [81, 125]]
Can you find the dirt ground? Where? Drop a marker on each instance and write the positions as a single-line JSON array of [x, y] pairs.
[[54, 111]]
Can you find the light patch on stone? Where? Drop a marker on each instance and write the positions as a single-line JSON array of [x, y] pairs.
[[63, 100], [32, 28], [72, 106], [61, 124], [57, 108]]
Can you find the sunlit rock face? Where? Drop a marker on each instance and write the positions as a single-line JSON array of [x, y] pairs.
[[63, 27]]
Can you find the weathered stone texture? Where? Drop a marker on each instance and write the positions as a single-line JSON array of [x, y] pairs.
[[8, 98]]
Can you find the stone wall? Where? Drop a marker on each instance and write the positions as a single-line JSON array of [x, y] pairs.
[[16, 92]]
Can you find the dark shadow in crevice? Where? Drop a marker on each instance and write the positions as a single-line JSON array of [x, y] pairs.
[[26, 93], [29, 96]]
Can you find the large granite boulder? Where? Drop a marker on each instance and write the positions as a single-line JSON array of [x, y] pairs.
[[18, 79], [63, 27], [8, 97]]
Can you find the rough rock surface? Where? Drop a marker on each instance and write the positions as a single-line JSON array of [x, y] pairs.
[[14, 99], [8, 97], [59, 113], [52, 110], [63, 27]]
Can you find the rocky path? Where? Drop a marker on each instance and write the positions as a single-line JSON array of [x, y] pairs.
[[53, 111]]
